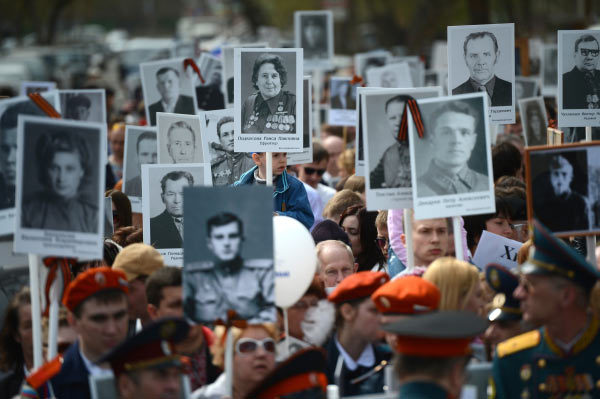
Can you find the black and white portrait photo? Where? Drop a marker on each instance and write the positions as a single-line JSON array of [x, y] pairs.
[[481, 58], [10, 109], [167, 88], [229, 258], [534, 120], [372, 59], [388, 182], [269, 103], [140, 148], [359, 154], [579, 77], [416, 66], [83, 105], [226, 165], [209, 94], [306, 156], [314, 33], [563, 187], [549, 69], [453, 159], [60, 182], [526, 87], [228, 64], [36, 87], [180, 139], [342, 102], [396, 75], [162, 199], [109, 227]]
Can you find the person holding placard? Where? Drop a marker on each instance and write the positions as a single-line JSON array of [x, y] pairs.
[[452, 137], [270, 109], [560, 359]]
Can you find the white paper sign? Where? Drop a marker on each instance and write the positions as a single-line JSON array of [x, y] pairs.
[[493, 248]]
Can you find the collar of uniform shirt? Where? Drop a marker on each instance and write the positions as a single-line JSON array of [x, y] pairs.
[[489, 86], [272, 102], [366, 358], [462, 174]]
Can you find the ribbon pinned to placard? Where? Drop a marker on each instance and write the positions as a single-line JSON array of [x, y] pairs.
[[189, 62], [56, 266], [233, 320], [411, 104], [44, 105], [552, 123], [357, 80]]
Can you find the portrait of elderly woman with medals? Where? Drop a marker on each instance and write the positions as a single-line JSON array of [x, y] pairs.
[[270, 109], [64, 159]]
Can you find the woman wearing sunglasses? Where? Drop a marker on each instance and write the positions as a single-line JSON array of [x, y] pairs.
[[253, 360]]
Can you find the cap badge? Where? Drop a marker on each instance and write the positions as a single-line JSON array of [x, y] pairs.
[[495, 278], [525, 372], [385, 302], [499, 300], [167, 330], [100, 278]]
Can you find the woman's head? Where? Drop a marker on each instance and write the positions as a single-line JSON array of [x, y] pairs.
[[16, 336], [64, 162], [121, 209], [269, 75], [498, 223], [459, 284], [359, 224]]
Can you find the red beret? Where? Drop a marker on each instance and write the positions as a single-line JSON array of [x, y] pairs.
[[407, 295], [92, 281], [358, 285]]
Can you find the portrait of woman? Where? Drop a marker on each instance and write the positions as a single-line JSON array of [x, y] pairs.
[[63, 163], [270, 109], [535, 128]]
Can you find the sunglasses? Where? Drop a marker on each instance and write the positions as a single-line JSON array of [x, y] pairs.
[[585, 52], [311, 171], [250, 345], [382, 242]]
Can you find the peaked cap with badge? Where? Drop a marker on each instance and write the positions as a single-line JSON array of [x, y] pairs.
[[504, 283]]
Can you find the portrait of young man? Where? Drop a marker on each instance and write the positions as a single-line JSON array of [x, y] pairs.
[[481, 55], [581, 84], [146, 152], [167, 81], [227, 166]]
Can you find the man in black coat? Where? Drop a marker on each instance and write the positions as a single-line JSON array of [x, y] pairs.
[[481, 54], [581, 85], [167, 83], [166, 229]]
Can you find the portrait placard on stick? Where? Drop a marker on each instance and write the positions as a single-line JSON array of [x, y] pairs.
[[549, 67], [83, 105], [392, 75], [481, 58], [163, 210], [306, 156], [359, 153], [365, 61], [563, 187], [452, 163], [228, 77], [313, 32], [36, 87], [342, 102], [526, 87], [140, 148], [268, 106], [534, 120], [60, 187], [180, 139], [209, 94]]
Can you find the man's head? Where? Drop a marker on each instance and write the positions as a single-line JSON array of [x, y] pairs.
[[181, 142], [341, 201], [335, 262], [394, 108], [311, 173], [225, 128], [225, 234], [452, 134], [116, 140], [146, 149], [97, 304], [78, 107], [586, 53], [383, 237], [561, 175], [430, 240], [164, 293], [167, 83], [313, 31], [481, 53], [334, 146], [172, 185]]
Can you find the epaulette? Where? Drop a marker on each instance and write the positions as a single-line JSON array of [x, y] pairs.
[[258, 263], [202, 265], [45, 372], [518, 343]]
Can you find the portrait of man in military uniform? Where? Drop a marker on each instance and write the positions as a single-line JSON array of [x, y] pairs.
[[227, 166], [452, 131], [227, 281], [141, 145], [269, 104], [581, 84]]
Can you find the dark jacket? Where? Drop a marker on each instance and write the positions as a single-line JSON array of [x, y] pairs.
[[274, 115], [184, 105], [164, 233], [11, 381], [72, 382], [576, 89], [502, 91], [289, 197]]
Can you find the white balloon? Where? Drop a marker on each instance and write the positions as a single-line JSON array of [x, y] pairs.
[[295, 260]]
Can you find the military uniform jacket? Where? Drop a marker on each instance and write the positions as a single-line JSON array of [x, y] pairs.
[[227, 167], [275, 115], [422, 390], [245, 286], [532, 366], [47, 211], [72, 382], [437, 181], [393, 169]]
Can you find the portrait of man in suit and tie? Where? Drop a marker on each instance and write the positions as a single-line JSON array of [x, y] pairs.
[[168, 84], [166, 229], [481, 55]]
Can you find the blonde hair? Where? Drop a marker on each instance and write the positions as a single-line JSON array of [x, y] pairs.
[[356, 184], [346, 161], [217, 349], [381, 220], [339, 202], [455, 279]]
